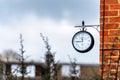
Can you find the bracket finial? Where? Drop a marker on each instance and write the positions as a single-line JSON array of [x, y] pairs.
[[83, 23]]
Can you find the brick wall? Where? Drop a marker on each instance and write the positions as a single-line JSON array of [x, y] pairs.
[[109, 54]]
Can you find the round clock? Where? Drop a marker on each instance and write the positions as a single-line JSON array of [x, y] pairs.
[[83, 41]]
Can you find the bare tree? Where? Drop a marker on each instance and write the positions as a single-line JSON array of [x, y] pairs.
[[2, 69], [21, 68], [51, 65], [74, 72], [11, 56], [22, 65]]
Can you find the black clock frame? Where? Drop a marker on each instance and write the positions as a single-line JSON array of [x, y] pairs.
[[91, 45]]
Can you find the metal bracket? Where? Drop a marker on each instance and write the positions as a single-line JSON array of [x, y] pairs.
[[83, 26]]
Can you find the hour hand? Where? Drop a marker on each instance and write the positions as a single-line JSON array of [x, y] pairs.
[[80, 40]]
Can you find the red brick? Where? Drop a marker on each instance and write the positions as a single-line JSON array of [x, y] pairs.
[[106, 7], [114, 54], [100, 55], [109, 1], [101, 20], [107, 53], [106, 60], [115, 7], [106, 46], [100, 45], [114, 60], [113, 71], [110, 13], [106, 67], [114, 19], [111, 26], [109, 39], [105, 74], [118, 45], [119, 12], [114, 32]]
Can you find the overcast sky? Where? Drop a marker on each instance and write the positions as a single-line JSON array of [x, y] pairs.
[[53, 18]]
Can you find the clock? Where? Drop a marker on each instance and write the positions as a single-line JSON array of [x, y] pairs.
[[83, 41]]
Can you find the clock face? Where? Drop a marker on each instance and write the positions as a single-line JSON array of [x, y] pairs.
[[82, 41]]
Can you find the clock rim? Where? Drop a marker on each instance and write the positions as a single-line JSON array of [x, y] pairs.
[[91, 45]]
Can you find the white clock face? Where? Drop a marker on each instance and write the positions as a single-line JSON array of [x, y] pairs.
[[82, 41]]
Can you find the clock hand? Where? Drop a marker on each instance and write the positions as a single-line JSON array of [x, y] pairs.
[[79, 41], [82, 39]]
